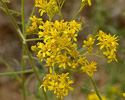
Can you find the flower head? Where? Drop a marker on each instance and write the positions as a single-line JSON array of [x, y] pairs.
[[59, 84], [109, 43], [89, 43], [89, 68], [48, 6], [88, 1], [58, 46]]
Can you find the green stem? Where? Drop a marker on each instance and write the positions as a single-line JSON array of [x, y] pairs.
[[7, 11], [14, 22], [23, 19], [82, 5], [23, 51], [53, 70], [96, 54], [15, 73], [24, 44], [60, 13], [11, 11], [99, 50], [26, 57], [22, 75], [9, 68], [34, 39], [35, 72], [95, 88], [62, 4], [33, 66]]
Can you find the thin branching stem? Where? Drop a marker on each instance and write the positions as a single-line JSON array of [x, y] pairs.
[[11, 11], [95, 88], [15, 73], [62, 4], [10, 69]]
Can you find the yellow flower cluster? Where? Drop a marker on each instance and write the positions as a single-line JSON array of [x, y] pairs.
[[89, 43], [94, 96], [88, 1], [33, 29], [89, 68], [48, 6], [109, 43], [59, 47], [57, 83]]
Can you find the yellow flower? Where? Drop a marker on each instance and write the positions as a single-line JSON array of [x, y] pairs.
[[45, 83], [89, 68], [94, 96], [89, 2], [58, 46], [45, 49], [48, 6], [124, 94], [114, 90], [33, 29], [34, 48], [110, 55], [75, 26], [109, 43], [62, 60], [59, 84], [81, 60], [89, 43]]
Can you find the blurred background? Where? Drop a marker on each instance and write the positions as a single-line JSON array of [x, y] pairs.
[[107, 15]]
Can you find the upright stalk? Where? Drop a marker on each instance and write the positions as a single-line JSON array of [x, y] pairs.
[[23, 52], [22, 75], [14, 22], [35, 72], [95, 88], [23, 20], [23, 40]]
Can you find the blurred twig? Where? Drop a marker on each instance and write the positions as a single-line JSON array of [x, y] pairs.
[[14, 73], [82, 5], [10, 69], [11, 11]]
